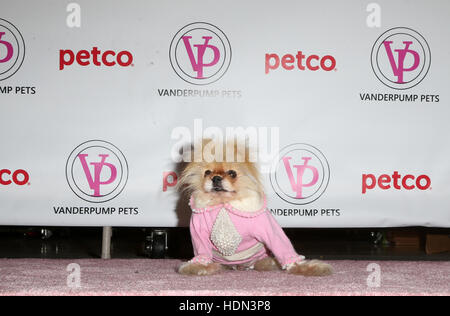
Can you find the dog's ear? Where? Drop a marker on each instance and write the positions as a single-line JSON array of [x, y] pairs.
[[188, 180]]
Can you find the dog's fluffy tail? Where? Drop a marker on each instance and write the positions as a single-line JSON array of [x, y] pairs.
[[311, 268]]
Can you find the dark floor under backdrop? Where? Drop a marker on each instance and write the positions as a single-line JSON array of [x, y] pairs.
[[326, 244]]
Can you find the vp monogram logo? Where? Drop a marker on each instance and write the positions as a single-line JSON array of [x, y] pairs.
[[401, 58], [198, 64], [200, 53], [398, 68], [97, 171], [12, 49], [95, 182], [9, 49], [297, 186], [300, 174]]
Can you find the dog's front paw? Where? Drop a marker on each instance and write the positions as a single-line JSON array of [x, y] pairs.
[[193, 268], [310, 268]]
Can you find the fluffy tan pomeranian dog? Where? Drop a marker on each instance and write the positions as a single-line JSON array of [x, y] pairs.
[[231, 226]]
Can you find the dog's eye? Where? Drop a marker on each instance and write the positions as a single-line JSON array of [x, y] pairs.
[[232, 173], [207, 172]]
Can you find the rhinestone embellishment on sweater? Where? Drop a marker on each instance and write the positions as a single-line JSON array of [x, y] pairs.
[[224, 235]]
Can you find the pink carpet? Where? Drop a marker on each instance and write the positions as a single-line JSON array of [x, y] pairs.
[[158, 277]]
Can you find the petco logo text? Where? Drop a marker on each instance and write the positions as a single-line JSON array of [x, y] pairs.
[[397, 181], [18, 177], [300, 61], [170, 179], [107, 58]]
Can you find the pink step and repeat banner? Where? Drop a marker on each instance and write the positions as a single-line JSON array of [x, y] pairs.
[[349, 101]]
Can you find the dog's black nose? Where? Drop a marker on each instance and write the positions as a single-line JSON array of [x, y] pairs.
[[216, 180]]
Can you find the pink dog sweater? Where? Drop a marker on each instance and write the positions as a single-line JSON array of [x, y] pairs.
[[226, 235]]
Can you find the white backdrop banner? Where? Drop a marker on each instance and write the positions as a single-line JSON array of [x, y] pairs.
[[348, 102]]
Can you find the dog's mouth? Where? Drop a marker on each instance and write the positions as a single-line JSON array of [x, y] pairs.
[[220, 189]]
